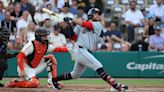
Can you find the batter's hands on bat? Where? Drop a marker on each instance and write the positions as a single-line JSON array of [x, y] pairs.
[[68, 20], [22, 74]]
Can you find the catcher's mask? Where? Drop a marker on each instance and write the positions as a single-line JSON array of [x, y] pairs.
[[4, 35], [40, 34]]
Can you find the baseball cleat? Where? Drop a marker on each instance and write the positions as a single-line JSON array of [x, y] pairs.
[[49, 84], [124, 88], [120, 87], [55, 85]]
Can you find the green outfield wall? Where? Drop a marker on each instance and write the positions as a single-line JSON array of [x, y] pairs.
[[117, 64]]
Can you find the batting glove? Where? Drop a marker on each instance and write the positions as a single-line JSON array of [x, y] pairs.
[[68, 20]]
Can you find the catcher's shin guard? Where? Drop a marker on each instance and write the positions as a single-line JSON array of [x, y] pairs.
[[32, 83], [51, 69], [51, 66]]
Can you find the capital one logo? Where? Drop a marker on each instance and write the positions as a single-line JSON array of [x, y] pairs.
[[147, 66], [143, 67]]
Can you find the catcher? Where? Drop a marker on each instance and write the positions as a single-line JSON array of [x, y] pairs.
[[4, 38], [32, 60]]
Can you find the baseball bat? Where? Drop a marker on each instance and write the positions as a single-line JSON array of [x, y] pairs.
[[50, 12], [120, 40]]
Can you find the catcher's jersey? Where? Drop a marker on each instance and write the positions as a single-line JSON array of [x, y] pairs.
[[29, 48], [89, 39]]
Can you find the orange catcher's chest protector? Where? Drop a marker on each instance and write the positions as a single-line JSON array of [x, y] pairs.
[[39, 51]]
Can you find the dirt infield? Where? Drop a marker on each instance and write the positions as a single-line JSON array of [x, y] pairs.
[[92, 87], [84, 88]]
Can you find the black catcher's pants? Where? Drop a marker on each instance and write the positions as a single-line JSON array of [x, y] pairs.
[[3, 67]]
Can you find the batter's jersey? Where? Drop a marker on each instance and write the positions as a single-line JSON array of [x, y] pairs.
[[29, 48], [89, 38]]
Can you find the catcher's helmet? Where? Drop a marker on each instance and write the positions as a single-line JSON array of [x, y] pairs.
[[92, 11], [39, 33], [4, 35]]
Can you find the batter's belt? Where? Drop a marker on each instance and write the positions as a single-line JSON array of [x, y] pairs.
[[85, 48]]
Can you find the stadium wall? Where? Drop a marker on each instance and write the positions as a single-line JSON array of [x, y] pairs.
[[117, 64]]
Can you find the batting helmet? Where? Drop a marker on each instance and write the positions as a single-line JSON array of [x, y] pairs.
[[39, 33], [92, 11], [4, 35]]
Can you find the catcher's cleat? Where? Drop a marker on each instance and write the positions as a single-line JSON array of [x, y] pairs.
[[55, 85], [120, 87], [49, 84]]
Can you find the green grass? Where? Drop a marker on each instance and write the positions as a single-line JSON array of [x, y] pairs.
[[137, 82], [146, 82]]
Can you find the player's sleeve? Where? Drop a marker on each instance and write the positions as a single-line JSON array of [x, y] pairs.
[[53, 48], [87, 25], [97, 27], [26, 50], [77, 29]]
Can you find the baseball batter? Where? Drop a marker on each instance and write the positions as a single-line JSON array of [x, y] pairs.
[[32, 61], [89, 34]]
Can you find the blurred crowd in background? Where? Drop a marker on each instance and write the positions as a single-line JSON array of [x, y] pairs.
[[129, 25]]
